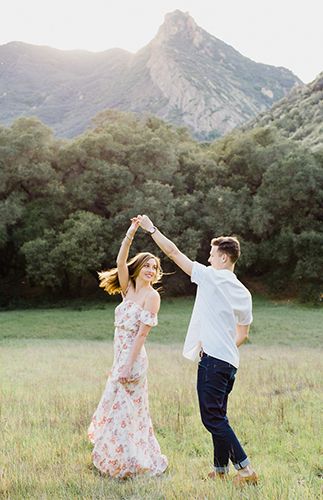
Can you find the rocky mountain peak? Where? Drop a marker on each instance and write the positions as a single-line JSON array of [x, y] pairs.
[[184, 75], [178, 23]]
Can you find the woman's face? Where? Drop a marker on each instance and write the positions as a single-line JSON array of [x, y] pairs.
[[148, 271]]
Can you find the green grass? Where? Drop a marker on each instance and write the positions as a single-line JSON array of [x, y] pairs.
[[274, 323], [53, 367]]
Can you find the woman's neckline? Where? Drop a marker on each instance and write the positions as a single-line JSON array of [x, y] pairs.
[[133, 302]]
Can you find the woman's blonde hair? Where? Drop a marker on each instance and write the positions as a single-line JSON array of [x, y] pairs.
[[109, 280]]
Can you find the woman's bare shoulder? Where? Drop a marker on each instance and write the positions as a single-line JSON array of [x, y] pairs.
[[152, 300]]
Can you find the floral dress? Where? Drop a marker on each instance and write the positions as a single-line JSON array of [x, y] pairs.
[[121, 428]]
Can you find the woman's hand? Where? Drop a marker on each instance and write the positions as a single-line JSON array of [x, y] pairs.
[[135, 222], [124, 376]]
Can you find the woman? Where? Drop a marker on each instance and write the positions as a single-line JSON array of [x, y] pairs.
[[121, 428]]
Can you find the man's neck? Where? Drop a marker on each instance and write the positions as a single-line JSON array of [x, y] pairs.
[[225, 268]]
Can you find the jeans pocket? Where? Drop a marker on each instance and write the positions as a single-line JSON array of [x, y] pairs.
[[217, 377], [201, 373]]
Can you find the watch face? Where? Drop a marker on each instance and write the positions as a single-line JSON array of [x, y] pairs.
[[152, 230]]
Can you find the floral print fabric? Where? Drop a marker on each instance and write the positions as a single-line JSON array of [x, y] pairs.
[[121, 428]]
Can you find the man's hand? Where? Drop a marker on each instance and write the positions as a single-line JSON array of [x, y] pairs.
[[242, 332], [167, 246], [145, 222]]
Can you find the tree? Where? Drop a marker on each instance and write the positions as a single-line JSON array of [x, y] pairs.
[[64, 257]]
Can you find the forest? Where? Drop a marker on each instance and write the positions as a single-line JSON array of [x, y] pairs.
[[65, 205]]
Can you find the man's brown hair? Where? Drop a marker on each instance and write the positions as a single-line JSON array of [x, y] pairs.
[[229, 245]]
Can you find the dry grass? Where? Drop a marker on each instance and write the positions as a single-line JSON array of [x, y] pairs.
[[50, 389]]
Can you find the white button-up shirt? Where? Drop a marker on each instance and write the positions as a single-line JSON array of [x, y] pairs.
[[221, 303]]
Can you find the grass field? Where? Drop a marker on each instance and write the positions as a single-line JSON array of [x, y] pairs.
[[275, 323], [53, 369]]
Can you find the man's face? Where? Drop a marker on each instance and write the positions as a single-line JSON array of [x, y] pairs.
[[217, 260]]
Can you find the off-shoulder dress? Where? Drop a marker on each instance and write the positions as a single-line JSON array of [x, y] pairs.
[[121, 429]]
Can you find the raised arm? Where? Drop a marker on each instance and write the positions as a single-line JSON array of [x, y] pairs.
[[167, 246], [123, 273]]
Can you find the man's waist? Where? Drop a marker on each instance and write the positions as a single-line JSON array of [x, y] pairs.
[[203, 354]]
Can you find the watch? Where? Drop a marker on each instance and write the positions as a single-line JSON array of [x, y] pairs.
[[152, 230]]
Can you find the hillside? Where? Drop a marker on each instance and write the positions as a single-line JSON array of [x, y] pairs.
[[184, 75], [298, 116]]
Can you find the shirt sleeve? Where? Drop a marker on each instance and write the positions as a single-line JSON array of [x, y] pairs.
[[245, 315], [246, 319], [198, 273], [148, 318]]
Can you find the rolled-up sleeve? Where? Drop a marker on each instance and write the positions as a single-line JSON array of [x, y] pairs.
[[244, 316]]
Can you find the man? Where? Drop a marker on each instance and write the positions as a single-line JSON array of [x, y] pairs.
[[219, 324]]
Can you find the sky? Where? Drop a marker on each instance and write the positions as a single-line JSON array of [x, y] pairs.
[[279, 32]]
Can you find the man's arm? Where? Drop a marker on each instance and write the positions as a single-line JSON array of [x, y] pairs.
[[167, 246], [242, 334]]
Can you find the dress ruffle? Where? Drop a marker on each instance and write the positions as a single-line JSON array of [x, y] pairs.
[[148, 318]]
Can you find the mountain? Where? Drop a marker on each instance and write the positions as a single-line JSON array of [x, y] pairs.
[[184, 75], [298, 116]]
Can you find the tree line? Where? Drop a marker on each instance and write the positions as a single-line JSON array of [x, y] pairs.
[[65, 205]]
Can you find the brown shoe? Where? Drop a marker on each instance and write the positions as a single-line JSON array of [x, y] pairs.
[[239, 480], [217, 475]]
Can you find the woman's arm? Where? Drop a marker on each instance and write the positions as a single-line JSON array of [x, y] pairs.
[[152, 304], [123, 273]]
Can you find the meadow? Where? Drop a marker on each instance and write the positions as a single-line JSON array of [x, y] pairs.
[[53, 369]]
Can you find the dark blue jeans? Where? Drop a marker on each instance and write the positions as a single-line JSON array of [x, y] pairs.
[[215, 380]]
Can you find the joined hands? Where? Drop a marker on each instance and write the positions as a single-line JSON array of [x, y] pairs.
[[145, 222]]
